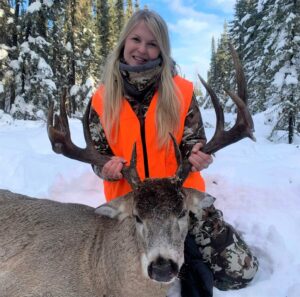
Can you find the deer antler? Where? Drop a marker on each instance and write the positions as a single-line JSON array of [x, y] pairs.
[[60, 138], [243, 127]]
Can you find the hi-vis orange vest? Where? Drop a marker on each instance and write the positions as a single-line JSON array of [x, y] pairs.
[[161, 161]]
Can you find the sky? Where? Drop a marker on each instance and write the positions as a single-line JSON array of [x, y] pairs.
[[256, 185], [192, 24]]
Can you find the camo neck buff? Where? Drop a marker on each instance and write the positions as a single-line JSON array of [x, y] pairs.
[[139, 79]]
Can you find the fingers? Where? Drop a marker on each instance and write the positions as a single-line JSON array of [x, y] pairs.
[[198, 159], [112, 169], [197, 147]]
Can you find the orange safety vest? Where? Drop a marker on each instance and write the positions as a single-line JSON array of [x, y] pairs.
[[161, 161]]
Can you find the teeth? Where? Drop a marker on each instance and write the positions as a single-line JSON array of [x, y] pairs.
[[140, 59]]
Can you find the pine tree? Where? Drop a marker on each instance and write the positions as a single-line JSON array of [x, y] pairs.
[[116, 21], [246, 33], [222, 69], [266, 33], [120, 17], [136, 5], [6, 19], [212, 75], [102, 21], [58, 52], [35, 86], [84, 50], [129, 10], [283, 61]]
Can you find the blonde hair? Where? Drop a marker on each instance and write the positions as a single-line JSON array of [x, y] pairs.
[[168, 107]]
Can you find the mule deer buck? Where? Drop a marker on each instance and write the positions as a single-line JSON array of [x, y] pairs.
[[132, 246]]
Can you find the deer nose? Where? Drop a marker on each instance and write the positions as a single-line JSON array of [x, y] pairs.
[[162, 270]]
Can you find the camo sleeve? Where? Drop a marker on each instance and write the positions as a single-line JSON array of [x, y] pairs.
[[99, 139], [193, 129]]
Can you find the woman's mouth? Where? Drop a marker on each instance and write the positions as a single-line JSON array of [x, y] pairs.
[[139, 60]]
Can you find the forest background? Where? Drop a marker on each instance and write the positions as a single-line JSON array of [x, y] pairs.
[[47, 46]]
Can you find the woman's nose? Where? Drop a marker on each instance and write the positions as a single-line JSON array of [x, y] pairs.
[[142, 48]]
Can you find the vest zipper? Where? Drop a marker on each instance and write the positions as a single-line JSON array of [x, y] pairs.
[[143, 137]]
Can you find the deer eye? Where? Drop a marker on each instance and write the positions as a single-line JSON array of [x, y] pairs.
[[138, 219], [182, 214]]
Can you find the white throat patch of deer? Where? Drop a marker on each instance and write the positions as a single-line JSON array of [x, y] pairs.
[[130, 247]]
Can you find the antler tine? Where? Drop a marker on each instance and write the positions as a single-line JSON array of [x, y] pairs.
[[85, 124], [60, 137], [177, 153], [217, 106], [130, 172], [244, 126], [60, 130], [239, 74], [184, 166]]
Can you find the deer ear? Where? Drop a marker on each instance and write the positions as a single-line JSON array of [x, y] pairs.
[[197, 200], [119, 208]]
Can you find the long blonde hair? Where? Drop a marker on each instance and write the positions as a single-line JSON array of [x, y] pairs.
[[168, 107]]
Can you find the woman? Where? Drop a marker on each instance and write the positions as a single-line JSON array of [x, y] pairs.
[[141, 100]]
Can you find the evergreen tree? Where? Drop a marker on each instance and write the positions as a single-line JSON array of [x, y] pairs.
[[283, 61], [129, 10], [116, 21], [212, 75], [136, 5], [85, 44], [266, 33], [120, 17], [35, 86], [220, 74], [58, 51], [246, 34], [102, 21], [6, 20]]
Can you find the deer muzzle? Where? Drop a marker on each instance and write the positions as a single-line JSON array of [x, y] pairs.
[[163, 270]]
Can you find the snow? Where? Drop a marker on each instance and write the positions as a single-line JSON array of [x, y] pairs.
[[44, 68], [257, 185], [245, 18], [74, 90], [68, 46], [14, 64], [287, 74], [9, 20], [87, 52], [3, 54], [25, 47], [35, 6], [49, 83]]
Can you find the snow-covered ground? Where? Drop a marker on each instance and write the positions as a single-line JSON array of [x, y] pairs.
[[257, 185]]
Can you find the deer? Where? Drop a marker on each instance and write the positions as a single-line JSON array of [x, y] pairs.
[[130, 247]]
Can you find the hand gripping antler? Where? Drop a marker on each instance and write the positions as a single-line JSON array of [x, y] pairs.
[[243, 127], [60, 138]]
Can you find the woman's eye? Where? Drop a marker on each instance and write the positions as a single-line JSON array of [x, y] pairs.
[[182, 214], [152, 44], [135, 39]]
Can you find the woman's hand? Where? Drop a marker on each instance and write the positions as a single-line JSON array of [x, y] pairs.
[[198, 159], [112, 169]]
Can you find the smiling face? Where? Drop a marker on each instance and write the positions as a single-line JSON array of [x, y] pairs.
[[140, 46]]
